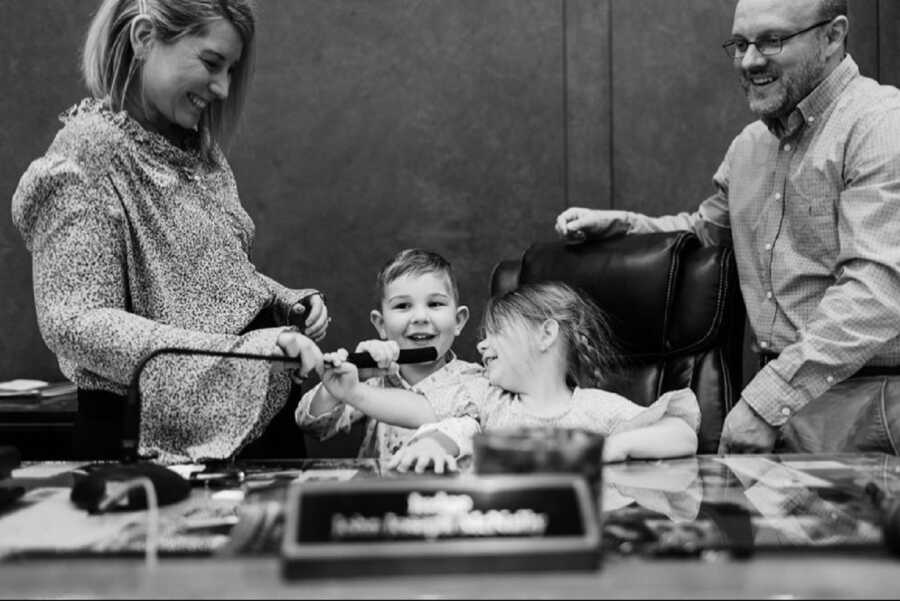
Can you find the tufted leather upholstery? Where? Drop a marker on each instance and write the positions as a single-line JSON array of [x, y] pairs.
[[674, 307]]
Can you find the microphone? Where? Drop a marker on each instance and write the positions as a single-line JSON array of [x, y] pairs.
[[132, 416], [407, 355]]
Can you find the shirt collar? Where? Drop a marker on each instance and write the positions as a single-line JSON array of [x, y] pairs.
[[816, 102], [398, 381]]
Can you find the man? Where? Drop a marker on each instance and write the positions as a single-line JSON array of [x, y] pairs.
[[809, 196]]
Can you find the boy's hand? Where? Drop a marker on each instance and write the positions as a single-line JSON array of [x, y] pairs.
[[422, 453], [384, 353]]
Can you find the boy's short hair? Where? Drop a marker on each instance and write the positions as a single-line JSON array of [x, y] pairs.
[[414, 261]]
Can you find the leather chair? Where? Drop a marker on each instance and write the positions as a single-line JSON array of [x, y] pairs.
[[674, 307]]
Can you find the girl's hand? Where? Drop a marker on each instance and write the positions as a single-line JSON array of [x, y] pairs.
[[422, 453], [295, 344], [615, 448], [384, 353], [339, 377]]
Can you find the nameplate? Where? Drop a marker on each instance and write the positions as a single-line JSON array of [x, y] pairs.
[[434, 524]]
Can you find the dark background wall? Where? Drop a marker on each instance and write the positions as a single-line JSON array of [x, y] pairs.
[[463, 126]]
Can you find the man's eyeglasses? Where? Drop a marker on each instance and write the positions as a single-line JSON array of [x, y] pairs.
[[767, 46]]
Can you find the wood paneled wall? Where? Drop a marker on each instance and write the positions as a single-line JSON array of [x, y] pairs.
[[463, 126]]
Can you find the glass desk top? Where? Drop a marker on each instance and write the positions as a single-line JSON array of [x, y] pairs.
[[743, 503], [737, 503], [675, 507]]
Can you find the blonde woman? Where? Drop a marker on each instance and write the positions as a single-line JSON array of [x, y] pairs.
[[139, 240]]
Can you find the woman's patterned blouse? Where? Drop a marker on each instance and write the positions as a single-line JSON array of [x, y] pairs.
[[138, 245]]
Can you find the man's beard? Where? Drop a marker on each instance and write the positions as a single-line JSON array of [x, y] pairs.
[[789, 90]]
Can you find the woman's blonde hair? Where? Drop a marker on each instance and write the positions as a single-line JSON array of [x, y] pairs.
[[110, 67], [593, 358]]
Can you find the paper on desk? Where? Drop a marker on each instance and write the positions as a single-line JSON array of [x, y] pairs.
[[46, 469], [50, 522], [21, 385], [47, 522], [36, 388], [816, 464], [335, 474], [771, 473]]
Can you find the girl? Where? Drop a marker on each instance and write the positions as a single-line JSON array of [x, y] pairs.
[[547, 352]]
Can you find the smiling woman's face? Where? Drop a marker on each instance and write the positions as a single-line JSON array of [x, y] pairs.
[[180, 80]]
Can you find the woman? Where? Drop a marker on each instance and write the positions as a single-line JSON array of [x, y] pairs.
[[139, 240]]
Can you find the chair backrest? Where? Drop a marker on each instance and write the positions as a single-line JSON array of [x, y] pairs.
[[674, 306]]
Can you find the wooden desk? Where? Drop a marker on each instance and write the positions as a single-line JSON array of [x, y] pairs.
[[803, 561], [806, 575]]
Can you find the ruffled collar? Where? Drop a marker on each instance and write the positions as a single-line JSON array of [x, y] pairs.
[[188, 160], [548, 417]]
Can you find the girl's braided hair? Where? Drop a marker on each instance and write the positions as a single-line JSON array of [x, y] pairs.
[[593, 358]]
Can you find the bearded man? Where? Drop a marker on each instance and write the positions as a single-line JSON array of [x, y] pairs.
[[809, 197]]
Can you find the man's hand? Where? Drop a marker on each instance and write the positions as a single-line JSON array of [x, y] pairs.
[[744, 431], [577, 223]]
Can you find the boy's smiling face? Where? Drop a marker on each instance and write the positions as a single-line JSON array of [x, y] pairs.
[[420, 310]]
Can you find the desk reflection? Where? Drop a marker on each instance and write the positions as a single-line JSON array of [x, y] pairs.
[[686, 506], [744, 503]]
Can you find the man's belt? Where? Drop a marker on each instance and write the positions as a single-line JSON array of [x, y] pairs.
[[864, 371]]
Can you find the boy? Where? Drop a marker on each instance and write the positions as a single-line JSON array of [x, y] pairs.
[[418, 302]]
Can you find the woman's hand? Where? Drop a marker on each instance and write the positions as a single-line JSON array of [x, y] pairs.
[[295, 344], [316, 320]]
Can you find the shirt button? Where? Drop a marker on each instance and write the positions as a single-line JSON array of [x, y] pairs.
[[768, 246], [829, 379], [778, 196], [811, 119], [787, 147], [763, 344], [769, 294], [785, 411]]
